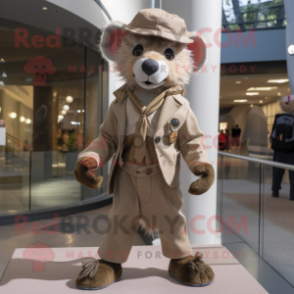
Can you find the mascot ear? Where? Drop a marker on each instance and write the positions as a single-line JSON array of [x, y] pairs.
[[199, 51], [111, 40]]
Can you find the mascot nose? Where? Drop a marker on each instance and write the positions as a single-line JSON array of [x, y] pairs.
[[150, 66]]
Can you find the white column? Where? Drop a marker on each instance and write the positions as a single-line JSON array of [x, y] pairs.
[[203, 94]]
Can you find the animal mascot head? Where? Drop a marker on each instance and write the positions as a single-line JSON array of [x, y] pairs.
[[154, 51]]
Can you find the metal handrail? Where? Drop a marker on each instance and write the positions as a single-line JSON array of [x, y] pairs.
[[256, 21], [18, 142], [257, 160], [258, 9]]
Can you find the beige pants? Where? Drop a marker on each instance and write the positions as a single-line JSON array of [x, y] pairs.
[[141, 192]]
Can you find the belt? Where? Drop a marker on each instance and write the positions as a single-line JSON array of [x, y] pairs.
[[141, 171]]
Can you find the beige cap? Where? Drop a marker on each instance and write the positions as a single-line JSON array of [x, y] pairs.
[[157, 22]]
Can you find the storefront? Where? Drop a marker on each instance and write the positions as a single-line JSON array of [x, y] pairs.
[[53, 95]]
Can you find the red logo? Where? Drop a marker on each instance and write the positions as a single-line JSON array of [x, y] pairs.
[[39, 253], [40, 67]]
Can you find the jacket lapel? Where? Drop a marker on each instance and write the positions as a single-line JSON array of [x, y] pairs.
[[119, 110], [169, 108]]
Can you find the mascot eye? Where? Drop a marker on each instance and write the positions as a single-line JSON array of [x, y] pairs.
[[169, 54], [138, 50]]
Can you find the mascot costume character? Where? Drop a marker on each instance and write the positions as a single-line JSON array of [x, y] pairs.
[[145, 129]]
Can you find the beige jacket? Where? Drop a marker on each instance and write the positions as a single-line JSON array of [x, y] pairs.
[[189, 142]]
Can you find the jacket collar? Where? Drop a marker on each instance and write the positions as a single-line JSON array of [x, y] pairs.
[[173, 102], [122, 92]]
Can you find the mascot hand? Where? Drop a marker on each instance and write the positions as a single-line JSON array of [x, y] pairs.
[[84, 175], [206, 172]]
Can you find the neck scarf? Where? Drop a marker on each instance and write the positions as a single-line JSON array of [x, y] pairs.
[[145, 111]]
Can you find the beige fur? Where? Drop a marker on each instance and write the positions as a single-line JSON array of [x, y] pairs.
[[181, 67], [148, 228]]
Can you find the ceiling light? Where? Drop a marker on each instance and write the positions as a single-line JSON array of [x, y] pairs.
[[13, 115], [279, 81], [22, 118], [251, 105], [241, 100], [279, 94], [2, 60], [78, 111], [83, 110], [75, 123], [66, 107], [69, 99], [28, 121], [44, 8], [260, 101], [60, 117], [238, 82], [63, 112], [262, 89], [252, 93]]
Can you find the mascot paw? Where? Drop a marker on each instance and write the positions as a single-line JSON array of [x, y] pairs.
[[98, 274], [191, 271], [84, 175], [206, 172]]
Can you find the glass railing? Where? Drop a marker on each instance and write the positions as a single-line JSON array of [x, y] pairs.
[[34, 181], [263, 222], [255, 14]]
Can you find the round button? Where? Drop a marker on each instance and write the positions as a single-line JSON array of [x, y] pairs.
[[157, 140], [175, 122], [148, 171]]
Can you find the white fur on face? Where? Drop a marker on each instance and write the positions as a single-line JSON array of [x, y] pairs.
[[157, 79]]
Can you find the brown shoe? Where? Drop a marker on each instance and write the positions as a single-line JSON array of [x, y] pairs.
[[191, 271], [98, 274]]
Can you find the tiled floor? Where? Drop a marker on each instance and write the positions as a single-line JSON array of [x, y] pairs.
[[81, 230], [80, 235], [270, 279]]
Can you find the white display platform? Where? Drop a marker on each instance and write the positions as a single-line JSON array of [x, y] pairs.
[[144, 272]]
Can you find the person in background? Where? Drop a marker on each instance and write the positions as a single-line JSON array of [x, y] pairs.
[[282, 142], [236, 135], [222, 141], [228, 139]]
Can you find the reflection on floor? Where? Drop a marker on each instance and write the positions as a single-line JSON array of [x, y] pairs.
[[86, 230], [267, 276], [79, 230], [52, 192]]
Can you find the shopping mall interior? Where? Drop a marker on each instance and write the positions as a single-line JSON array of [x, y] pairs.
[[56, 88]]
